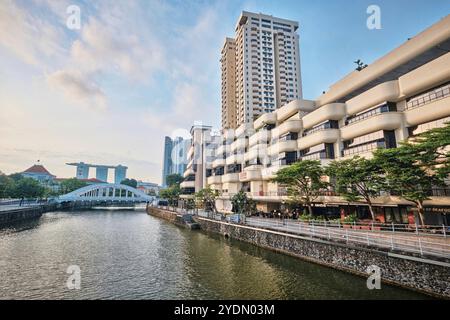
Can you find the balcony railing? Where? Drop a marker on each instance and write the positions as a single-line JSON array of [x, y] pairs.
[[432, 95], [324, 126], [363, 148], [383, 109]]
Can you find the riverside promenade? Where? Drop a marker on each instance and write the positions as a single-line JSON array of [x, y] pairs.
[[415, 261]]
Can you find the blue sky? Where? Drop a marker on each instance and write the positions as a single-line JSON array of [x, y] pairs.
[[139, 70]]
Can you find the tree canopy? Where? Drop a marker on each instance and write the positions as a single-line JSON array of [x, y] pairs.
[[357, 178], [174, 179], [129, 182], [303, 180]]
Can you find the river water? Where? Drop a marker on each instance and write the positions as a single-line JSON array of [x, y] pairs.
[[130, 255]]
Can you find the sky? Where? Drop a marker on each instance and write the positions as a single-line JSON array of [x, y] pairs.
[[136, 71]]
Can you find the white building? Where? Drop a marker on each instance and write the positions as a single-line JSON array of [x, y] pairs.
[[403, 93]]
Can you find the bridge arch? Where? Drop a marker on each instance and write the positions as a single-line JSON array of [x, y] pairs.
[[106, 192]]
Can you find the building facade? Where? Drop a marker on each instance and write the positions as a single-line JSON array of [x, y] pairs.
[[267, 67], [200, 156], [228, 68], [40, 173], [175, 157], [403, 93], [167, 160]]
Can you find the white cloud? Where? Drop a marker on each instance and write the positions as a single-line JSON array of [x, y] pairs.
[[79, 88], [31, 37]]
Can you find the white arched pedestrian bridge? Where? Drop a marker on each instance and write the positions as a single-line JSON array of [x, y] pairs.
[[106, 192]]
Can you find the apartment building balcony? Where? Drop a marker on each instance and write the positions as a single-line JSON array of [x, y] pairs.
[[257, 151], [190, 152], [218, 162], [332, 111], [288, 110], [253, 174], [187, 184], [235, 158], [266, 118], [283, 146], [228, 134], [244, 129], [214, 180], [230, 177], [287, 126], [188, 172], [259, 137], [318, 137], [221, 150], [375, 122], [270, 172], [387, 91], [239, 144], [431, 105]]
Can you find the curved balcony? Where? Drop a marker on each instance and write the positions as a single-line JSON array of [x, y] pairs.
[[188, 172], [428, 112], [283, 146], [332, 111], [220, 150], [187, 184], [218, 162], [266, 118], [228, 134], [259, 137], [239, 144], [288, 110], [250, 175], [269, 173], [214, 180], [235, 158], [260, 150], [244, 129], [190, 152], [387, 91], [230, 177], [382, 121], [288, 126], [318, 137]]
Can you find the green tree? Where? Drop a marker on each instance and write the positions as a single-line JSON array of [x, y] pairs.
[[174, 179], [5, 185], [207, 198], [303, 180], [26, 188], [356, 179], [417, 166], [171, 194], [243, 204], [129, 182], [407, 176], [70, 185]]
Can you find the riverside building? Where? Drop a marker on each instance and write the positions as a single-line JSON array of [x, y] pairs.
[[260, 68], [401, 94]]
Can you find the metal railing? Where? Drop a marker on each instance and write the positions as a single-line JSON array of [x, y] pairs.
[[428, 240], [392, 241]]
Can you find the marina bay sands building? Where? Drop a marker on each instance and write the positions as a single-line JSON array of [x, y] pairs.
[[101, 171]]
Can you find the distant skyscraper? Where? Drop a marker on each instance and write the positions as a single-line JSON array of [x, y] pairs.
[[120, 173], [175, 157], [228, 62], [266, 67], [180, 148], [167, 160]]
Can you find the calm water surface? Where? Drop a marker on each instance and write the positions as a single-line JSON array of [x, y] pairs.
[[130, 255]]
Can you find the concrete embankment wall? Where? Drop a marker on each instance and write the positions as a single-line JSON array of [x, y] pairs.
[[166, 215], [423, 275], [20, 214]]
